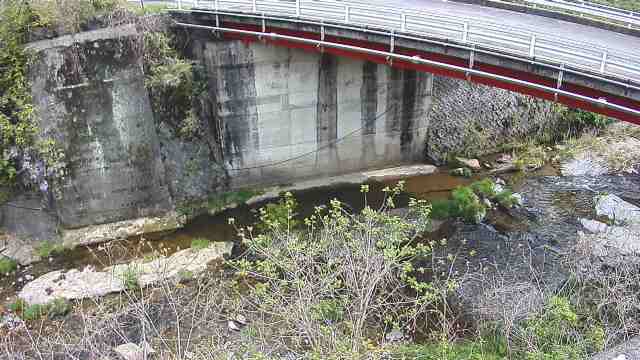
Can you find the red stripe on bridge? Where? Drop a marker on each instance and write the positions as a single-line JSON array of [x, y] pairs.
[[446, 59]]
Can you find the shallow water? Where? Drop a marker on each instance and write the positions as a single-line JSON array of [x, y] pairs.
[[552, 205]]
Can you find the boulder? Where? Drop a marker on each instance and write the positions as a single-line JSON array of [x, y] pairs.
[[473, 164], [616, 209], [88, 283], [594, 226]]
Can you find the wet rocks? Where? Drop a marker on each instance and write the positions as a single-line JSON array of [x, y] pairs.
[[88, 283], [617, 210], [614, 245]]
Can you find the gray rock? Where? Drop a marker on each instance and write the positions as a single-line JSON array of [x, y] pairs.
[[617, 209], [473, 164], [629, 350], [75, 284], [594, 226], [584, 165], [130, 351], [20, 250]]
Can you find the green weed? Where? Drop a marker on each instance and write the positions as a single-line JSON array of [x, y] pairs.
[[7, 265], [199, 244]]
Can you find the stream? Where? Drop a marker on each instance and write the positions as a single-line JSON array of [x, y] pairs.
[[549, 217]]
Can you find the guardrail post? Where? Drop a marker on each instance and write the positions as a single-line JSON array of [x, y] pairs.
[[179, 4], [465, 32], [532, 47], [347, 10], [298, 8], [404, 22], [603, 64]]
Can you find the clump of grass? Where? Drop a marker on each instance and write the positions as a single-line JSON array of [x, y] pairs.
[[200, 243], [464, 203], [7, 266], [506, 199], [58, 307], [130, 278], [48, 248], [485, 187]]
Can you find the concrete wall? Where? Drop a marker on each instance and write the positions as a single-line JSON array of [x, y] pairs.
[[289, 114], [90, 97]]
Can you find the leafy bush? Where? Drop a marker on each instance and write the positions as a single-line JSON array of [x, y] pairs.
[[332, 280], [468, 205], [559, 333], [199, 244], [7, 265], [575, 122], [279, 216], [443, 209], [485, 188]]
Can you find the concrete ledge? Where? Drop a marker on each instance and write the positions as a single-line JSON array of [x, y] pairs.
[[555, 15]]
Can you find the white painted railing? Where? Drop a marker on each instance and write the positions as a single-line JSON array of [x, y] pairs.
[[604, 12], [623, 66]]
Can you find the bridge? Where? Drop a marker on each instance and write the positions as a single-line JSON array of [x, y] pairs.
[[583, 67]]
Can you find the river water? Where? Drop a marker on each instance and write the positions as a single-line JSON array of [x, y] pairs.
[[549, 217]]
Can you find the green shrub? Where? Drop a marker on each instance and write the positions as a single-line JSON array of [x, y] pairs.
[[506, 199], [328, 310], [329, 283], [575, 122], [443, 209], [485, 188], [558, 332], [7, 265], [199, 244], [279, 216], [468, 205], [48, 248]]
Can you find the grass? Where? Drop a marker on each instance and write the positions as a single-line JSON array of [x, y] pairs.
[[48, 248], [58, 307], [464, 350], [7, 266], [199, 244], [130, 278]]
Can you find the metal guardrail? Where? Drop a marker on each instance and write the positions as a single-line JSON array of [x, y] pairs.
[[623, 66], [629, 18]]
